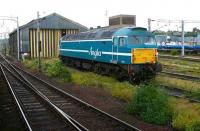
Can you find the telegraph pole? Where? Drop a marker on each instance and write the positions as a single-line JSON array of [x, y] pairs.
[[18, 45], [38, 41], [182, 39], [5, 43]]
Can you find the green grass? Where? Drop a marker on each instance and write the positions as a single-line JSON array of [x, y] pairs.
[[178, 83], [52, 68], [122, 90], [186, 115]]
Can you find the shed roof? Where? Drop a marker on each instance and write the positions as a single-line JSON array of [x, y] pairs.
[[54, 21]]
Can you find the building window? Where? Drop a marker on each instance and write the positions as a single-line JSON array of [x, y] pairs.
[[63, 32]]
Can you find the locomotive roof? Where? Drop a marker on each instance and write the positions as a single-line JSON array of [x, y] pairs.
[[103, 33]]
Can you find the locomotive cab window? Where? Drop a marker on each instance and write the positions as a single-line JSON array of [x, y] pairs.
[[122, 41], [134, 40]]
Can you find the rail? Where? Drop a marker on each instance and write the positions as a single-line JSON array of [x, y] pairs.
[[182, 76]]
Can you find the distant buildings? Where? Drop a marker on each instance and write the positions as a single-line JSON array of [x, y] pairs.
[[120, 20]]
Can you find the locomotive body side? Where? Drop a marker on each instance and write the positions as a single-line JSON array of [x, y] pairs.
[[96, 50]]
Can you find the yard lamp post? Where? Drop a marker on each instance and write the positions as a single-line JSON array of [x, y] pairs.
[[38, 41], [16, 20]]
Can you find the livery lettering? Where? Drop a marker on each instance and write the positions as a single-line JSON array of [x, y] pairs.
[[95, 53]]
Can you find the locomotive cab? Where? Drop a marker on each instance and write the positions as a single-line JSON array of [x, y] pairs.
[[140, 42], [143, 50]]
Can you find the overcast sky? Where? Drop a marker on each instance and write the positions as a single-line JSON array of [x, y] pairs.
[[91, 13]]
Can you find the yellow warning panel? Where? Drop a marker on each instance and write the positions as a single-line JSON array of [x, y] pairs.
[[143, 56]]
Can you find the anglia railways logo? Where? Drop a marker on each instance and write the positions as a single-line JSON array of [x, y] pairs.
[[95, 53]]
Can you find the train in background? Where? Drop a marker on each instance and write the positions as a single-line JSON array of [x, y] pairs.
[[166, 43], [125, 52]]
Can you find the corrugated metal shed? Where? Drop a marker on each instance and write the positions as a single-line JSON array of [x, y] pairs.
[[55, 21], [52, 27]]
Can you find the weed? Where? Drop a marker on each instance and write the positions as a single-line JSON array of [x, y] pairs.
[[31, 64], [57, 70], [186, 115], [178, 83], [122, 90]]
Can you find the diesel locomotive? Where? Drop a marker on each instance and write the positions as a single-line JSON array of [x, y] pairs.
[[125, 52]]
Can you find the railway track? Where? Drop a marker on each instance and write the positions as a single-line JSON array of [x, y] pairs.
[[179, 93], [181, 76], [38, 112], [10, 117], [89, 116], [192, 59]]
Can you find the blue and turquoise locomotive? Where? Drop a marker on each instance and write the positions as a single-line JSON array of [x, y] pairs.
[[125, 52]]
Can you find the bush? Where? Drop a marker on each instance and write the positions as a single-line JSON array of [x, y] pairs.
[[57, 69], [151, 105], [174, 52]]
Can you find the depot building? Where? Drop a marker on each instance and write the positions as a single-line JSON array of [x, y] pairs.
[[52, 28]]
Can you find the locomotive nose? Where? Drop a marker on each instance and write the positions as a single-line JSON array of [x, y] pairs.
[[143, 56]]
